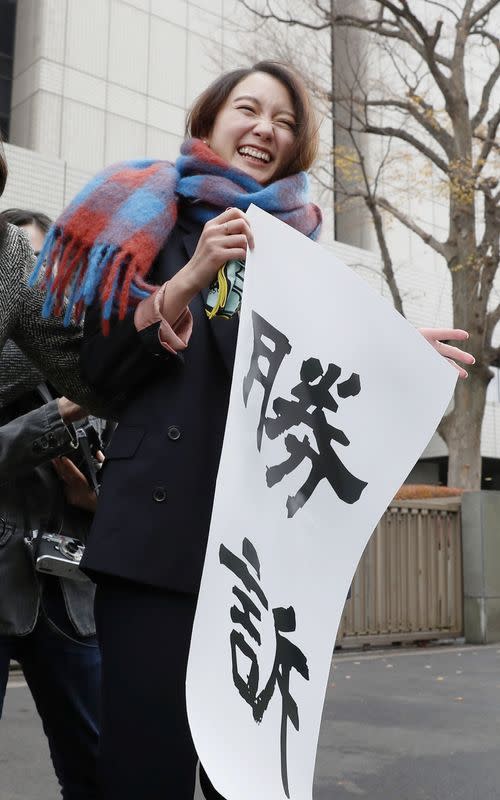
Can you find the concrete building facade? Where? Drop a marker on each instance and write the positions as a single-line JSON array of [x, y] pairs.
[[84, 83], [99, 81]]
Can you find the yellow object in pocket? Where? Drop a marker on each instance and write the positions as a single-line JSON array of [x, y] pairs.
[[225, 293]]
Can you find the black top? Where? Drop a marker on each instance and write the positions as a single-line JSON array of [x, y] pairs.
[[159, 477], [32, 498]]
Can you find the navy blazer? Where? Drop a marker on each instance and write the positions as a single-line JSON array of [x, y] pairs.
[[158, 484]]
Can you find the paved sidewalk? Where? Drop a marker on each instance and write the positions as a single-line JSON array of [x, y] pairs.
[[419, 724]]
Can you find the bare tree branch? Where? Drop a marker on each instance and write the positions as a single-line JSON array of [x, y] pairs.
[[488, 143], [405, 136], [485, 35], [482, 13], [370, 201], [390, 29], [443, 7], [442, 137], [486, 96], [288, 20], [408, 222]]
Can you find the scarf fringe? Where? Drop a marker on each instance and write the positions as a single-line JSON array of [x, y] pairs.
[[74, 275]]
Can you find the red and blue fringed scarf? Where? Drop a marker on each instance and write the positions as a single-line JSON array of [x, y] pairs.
[[104, 243]]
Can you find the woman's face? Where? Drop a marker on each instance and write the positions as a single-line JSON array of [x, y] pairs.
[[254, 129]]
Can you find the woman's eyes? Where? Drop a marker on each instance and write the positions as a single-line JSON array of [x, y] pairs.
[[282, 123], [285, 123]]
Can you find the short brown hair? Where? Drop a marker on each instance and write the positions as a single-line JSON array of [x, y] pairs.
[[202, 115]]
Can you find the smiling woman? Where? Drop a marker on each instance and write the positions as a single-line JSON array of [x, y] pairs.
[[255, 128], [269, 97], [140, 246], [147, 239]]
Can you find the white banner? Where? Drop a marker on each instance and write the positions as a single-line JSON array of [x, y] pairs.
[[334, 397]]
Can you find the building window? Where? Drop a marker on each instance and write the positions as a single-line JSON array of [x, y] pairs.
[[7, 33]]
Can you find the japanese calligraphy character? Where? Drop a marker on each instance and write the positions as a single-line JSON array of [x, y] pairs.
[[311, 399], [287, 655], [264, 330]]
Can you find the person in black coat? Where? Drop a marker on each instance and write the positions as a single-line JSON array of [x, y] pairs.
[[172, 226], [46, 622]]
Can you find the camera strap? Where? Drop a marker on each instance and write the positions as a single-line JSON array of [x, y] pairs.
[[45, 393], [83, 442]]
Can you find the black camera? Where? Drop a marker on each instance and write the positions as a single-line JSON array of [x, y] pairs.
[[55, 553]]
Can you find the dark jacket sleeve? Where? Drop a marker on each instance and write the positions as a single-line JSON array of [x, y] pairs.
[[32, 439], [117, 363]]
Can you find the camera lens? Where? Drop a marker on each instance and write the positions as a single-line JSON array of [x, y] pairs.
[[72, 548]]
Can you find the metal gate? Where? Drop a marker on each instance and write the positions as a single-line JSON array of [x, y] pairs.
[[408, 585]]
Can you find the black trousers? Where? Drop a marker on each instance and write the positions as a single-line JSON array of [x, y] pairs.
[[63, 676], [146, 749]]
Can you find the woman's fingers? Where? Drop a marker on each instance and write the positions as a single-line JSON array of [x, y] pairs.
[[99, 456], [454, 352], [230, 213], [231, 221], [76, 487], [60, 468], [224, 238], [233, 240], [238, 226], [453, 334], [227, 230], [462, 373], [451, 353], [69, 472]]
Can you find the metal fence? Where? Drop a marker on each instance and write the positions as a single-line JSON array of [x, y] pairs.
[[408, 585]]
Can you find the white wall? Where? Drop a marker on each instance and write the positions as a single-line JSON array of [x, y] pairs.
[[100, 80], [97, 81]]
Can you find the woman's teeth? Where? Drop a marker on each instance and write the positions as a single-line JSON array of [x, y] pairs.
[[251, 151]]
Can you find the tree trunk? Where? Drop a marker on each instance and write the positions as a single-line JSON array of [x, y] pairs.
[[461, 430]]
